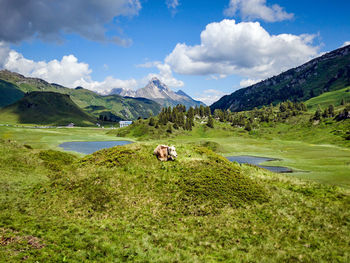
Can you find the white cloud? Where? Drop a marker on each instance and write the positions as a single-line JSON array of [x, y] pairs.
[[68, 71], [244, 49], [257, 9], [107, 84], [248, 82], [49, 19], [346, 43], [210, 96], [172, 5]]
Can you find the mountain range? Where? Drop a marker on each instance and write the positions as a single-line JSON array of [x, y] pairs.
[[328, 72], [14, 86], [157, 91]]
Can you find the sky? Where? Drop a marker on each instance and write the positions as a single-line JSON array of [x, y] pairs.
[[205, 48]]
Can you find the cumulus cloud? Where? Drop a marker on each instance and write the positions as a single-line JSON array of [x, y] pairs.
[[346, 43], [105, 87], [49, 19], [68, 71], [248, 82], [244, 49], [209, 96], [257, 9]]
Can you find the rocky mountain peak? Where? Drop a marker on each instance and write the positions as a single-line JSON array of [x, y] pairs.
[[156, 83], [158, 91]]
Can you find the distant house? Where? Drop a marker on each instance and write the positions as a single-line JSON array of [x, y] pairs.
[[124, 123], [70, 125]]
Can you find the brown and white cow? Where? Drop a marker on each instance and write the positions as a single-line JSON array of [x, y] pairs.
[[165, 153]]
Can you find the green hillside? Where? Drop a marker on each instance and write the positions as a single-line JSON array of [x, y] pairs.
[[9, 93], [326, 73], [45, 108], [328, 98], [123, 205], [123, 108]]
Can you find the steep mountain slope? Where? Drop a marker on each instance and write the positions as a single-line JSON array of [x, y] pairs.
[[124, 108], [326, 73], [9, 93], [161, 93], [46, 108]]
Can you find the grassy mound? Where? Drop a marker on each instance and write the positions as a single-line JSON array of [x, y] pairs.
[[197, 186], [123, 205], [56, 160]]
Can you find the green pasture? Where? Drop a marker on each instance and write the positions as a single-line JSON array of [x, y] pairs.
[[123, 205], [308, 153]]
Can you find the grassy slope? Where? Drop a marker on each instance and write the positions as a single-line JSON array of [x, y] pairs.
[[46, 108], [142, 210], [9, 93], [328, 98]]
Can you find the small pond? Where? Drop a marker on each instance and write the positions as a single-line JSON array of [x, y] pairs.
[[90, 147], [257, 160]]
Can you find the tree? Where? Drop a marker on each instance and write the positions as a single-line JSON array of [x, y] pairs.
[[201, 111], [169, 129], [325, 113], [283, 107], [210, 122], [188, 124], [152, 122], [331, 111], [342, 102], [248, 126], [207, 111], [303, 106], [317, 115]]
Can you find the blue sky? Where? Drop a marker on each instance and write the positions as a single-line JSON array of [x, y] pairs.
[[206, 48]]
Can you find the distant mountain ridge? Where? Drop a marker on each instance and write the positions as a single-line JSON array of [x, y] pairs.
[[13, 86], [159, 92], [325, 73]]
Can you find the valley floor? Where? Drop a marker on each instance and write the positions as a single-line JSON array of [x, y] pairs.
[[324, 163], [122, 205]]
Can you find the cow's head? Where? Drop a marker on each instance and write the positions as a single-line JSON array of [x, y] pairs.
[[172, 152]]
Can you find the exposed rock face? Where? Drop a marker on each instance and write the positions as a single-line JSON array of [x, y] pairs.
[[159, 92]]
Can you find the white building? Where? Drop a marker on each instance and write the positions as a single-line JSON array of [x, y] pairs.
[[124, 123]]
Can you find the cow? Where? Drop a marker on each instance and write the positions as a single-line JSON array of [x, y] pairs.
[[165, 153]]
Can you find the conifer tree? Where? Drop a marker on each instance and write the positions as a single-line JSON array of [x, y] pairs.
[[317, 115], [331, 111], [210, 122], [152, 122], [248, 126]]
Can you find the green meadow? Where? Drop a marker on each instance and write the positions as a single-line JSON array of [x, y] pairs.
[[123, 205]]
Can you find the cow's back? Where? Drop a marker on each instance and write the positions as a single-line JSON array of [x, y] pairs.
[[161, 151]]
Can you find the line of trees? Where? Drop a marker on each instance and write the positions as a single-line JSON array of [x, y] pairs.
[[179, 117]]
